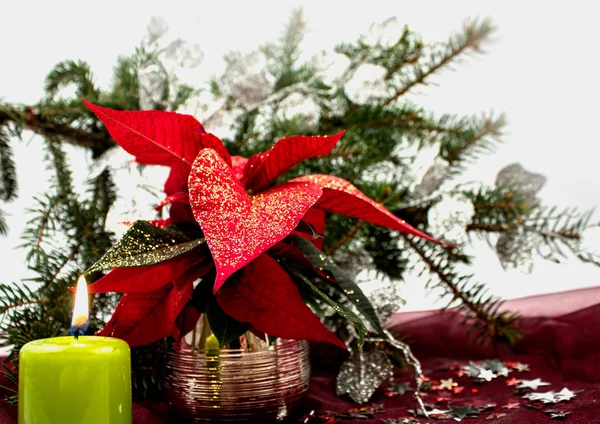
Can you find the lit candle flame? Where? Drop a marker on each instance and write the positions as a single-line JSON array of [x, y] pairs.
[[81, 313]]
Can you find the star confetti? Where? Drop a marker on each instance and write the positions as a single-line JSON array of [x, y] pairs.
[[495, 416], [511, 405], [486, 375], [503, 372], [447, 384], [512, 382], [434, 413], [398, 389], [458, 390], [544, 397], [402, 420], [532, 384], [565, 395], [557, 415], [521, 367], [460, 412]]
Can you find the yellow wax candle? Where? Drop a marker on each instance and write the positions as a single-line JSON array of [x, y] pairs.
[[75, 380]]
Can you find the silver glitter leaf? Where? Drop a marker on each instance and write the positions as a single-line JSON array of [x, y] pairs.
[[516, 249], [246, 78], [449, 217], [362, 374], [526, 182], [151, 82], [144, 244], [433, 178], [386, 300]]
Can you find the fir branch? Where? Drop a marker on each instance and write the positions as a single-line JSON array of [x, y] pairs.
[[72, 72], [481, 311], [474, 34], [98, 142], [477, 137], [8, 173], [3, 224]]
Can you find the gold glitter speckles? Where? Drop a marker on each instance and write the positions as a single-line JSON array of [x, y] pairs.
[[144, 244]]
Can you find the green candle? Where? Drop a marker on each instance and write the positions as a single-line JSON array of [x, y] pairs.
[[63, 380], [75, 380]]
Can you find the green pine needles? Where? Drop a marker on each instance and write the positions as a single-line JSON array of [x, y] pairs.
[[67, 232]]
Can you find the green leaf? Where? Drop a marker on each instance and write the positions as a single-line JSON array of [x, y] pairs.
[[225, 328], [349, 287], [144, 244], [349, 315]]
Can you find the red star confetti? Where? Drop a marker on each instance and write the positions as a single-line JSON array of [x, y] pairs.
[[511, 405], [495, 416], [512, 382], [459, 389]]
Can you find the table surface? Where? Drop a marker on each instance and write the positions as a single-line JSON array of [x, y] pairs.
[[561, 345]]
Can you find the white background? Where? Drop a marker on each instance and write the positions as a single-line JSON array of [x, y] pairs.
[[541, 69]]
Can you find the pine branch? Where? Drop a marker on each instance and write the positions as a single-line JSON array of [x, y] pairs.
[[481, 310], [3, 224], [477, 137], [72, 72], [8, 173], [474, 34], [97, 142]]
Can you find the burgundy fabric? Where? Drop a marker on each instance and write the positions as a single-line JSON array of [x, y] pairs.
[[561, 345]]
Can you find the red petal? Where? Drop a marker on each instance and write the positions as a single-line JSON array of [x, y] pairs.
[[266, 297], [142, 318], [186, 322], [153, 137], [178, 176], [159, 223], [316, 219], [181, 212], [238, 163], [239, 227], [145, 279], [177, 179], [287, 153], [180, 197], [340, 196]]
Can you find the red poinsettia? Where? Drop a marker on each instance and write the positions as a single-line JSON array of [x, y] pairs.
[[242, 213]]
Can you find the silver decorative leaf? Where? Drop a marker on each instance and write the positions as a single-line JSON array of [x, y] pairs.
[[517, 249], [362, 374], [157, 28], [367, 84], [151, 80], [449, 217], [386, 300], [246, 78], [184, 54], [433, 178], [526, 182]]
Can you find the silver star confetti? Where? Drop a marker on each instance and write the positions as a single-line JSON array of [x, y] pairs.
[[565, 395], [521, 367], [503, 372], [544, 397], [486, 375], [532, 384], [557, 415], [362, 374]]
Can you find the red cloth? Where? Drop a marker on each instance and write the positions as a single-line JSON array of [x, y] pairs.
[[561, 346]]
